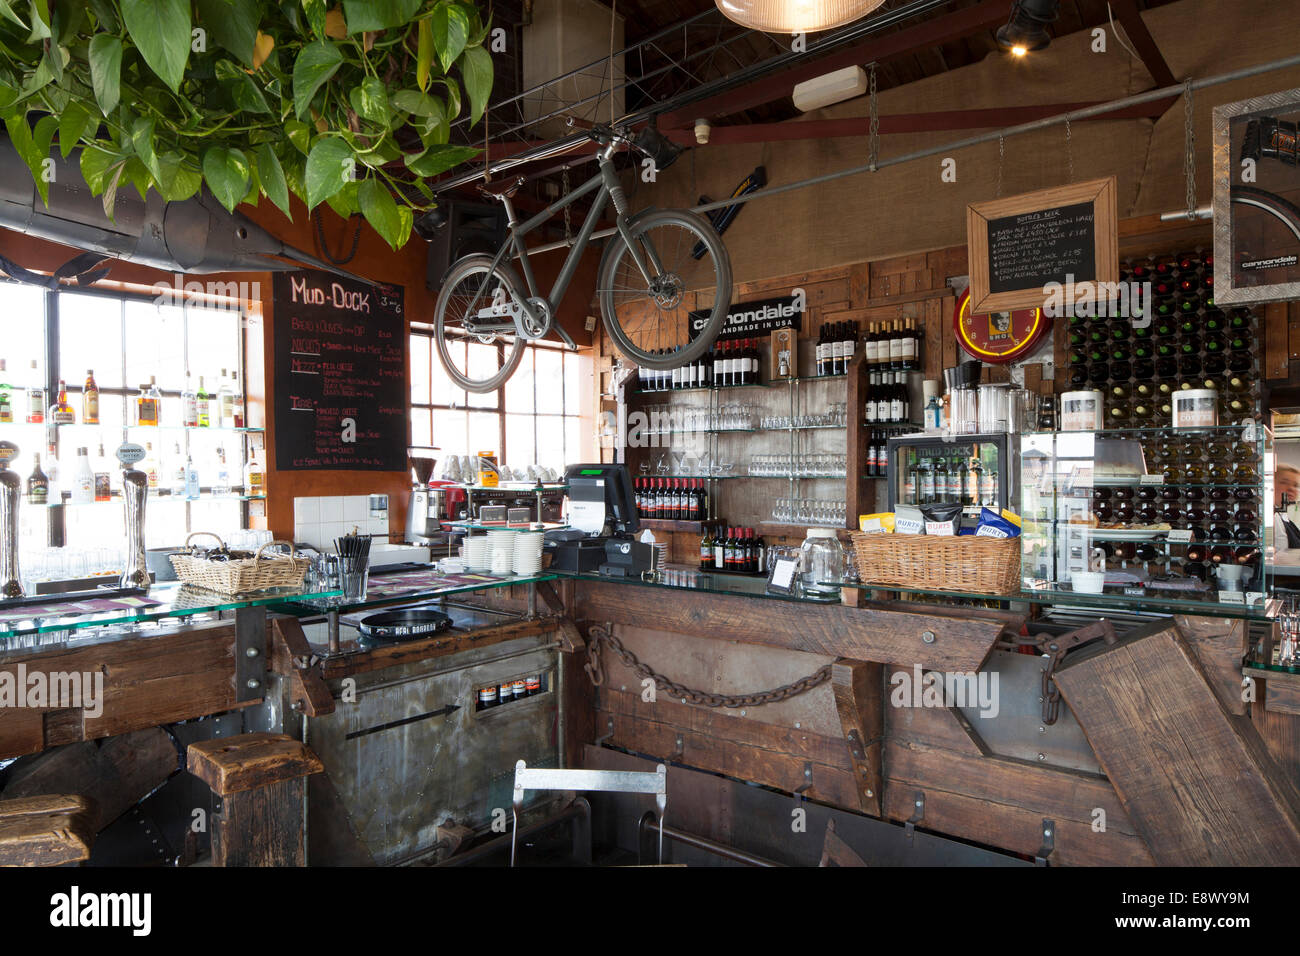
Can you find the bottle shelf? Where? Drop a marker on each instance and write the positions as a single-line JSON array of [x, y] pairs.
[[153, 496], [102, 426], [671, 524], [722, 388]]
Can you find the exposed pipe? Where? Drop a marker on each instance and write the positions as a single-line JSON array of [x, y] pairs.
[[1167, 92], [648, 829]]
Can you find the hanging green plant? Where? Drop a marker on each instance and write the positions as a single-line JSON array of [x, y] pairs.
[[349, 105]]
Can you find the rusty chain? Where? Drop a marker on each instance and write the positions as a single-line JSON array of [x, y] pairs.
[[601, 637]]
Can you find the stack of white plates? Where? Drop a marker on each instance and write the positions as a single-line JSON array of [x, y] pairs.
[[528, 552], [661, 554], [475, 553], [501, 550]]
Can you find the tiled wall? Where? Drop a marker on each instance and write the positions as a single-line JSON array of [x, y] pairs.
[[318, 521]]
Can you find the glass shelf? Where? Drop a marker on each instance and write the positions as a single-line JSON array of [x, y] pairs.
[[694, 477], [723, 388], [501, 526], [708, 582], [792, 477], [118, 426], [805, 428], [117, 500], [163, 601]]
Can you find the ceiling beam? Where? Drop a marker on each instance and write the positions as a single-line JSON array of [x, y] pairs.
[[908, 123], [953, 26], [1144, 43]]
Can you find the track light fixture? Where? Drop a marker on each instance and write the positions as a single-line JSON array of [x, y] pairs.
[[1026, 30]]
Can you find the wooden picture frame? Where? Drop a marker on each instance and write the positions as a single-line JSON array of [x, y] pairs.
[[990, 294], [784, 340]]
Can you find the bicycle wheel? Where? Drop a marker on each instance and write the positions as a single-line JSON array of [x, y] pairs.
[[650, 321], [475, 360]]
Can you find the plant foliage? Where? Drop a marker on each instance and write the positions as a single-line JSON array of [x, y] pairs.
[[348, 104]]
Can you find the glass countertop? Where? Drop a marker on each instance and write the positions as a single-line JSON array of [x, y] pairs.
[[417, 584], [87, 609], [1206, 603], [690, 579]]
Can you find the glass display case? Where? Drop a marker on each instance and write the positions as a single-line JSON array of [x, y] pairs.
[[1173, 513], [976, 470]]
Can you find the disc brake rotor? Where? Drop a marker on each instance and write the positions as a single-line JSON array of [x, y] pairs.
[[667, 290]]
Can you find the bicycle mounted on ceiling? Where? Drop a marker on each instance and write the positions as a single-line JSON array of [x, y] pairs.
[[649, 281]]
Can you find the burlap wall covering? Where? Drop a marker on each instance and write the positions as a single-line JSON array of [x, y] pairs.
[[907, 208]]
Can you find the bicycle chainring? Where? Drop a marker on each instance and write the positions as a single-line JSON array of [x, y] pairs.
[[530, 328]]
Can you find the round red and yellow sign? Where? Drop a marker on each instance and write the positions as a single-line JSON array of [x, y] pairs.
[[998, 336]]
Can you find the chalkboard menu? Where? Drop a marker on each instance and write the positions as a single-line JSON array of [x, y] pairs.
[[1018, 246], [340, 374], [1035, 248]]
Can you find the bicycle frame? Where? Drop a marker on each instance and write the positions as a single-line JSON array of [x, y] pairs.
[[606, 186]]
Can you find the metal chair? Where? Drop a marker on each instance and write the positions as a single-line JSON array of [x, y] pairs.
[[614, 781]]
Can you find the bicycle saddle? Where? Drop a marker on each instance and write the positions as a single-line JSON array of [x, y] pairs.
[[503, 188]]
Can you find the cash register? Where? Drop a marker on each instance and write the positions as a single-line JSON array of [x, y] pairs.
[[602, 525]]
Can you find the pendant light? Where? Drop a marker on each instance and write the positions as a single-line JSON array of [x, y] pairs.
[[795, 16]]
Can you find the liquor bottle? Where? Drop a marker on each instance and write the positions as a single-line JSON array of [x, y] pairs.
[[189, 405], [6, 397], [38, 484], [35, 400], [910, 361], [926, 482], [62, 412], [820, 350], [706, 549], [254, 476], [54, 477], [191, 479], [850, 351], [956, 479], [226, 402], [83, 480], [177, 485], [940, 479], [103, 476], [989, 488], [149, 465], [146, 404], [911, 484], [90, 400], [203, 405], [720, 550], [895, 346]]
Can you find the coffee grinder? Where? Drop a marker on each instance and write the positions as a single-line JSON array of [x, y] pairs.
[[426, 508]]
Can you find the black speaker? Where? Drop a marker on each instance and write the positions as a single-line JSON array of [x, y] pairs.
[[466, 228]]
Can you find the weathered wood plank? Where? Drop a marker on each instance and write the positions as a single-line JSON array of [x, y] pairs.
[[868, 633], [231, 765], [440, 646], [860, 700], [289, 649], [1197, 782], [47, 830], [1220, 646]]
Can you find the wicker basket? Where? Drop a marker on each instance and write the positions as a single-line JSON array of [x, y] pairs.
[[978, 565], [245, 575]]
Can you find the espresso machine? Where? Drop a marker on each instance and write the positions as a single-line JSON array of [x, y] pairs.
[[427, 506]]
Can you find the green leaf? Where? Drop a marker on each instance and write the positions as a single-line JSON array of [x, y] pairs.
[[299, 134], [106, 70], [6, 11], [330, 165], [316, 63], [226, 172], [439, 159], [344, 202], [74, 121], [421, 104], [178, 181], [95, 163], [405, 220], [142, 135], [370, 100], [112, 176], [450, 28], [315, 10], [233, 24], [160, 30], [20, 135], [135, 172], [365, 15], [380, 209], [423, 54], [271, 174], [104, 14], [39, 11], [247, 94], [476, 69], [254, 190]]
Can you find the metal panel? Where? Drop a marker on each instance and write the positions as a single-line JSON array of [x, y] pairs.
[[450, 763], [1018, 729], [250, 653]]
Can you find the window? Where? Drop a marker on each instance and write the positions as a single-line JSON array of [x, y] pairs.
[[125, 341], [535, 419]]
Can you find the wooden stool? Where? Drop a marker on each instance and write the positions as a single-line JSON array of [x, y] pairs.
[[260, 780], [49, 830]]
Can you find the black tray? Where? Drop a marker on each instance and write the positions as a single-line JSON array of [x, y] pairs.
[[403, 625]]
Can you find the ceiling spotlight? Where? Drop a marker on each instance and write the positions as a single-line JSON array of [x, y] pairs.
[[1026, 31], [795, 16]]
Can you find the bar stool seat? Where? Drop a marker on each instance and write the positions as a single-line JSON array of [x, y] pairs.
[[48, 830]]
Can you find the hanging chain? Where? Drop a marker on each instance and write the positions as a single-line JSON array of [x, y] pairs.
[[1069, 149], [600, 638], [1002, 152], [874, 148], [1189, 156], [568, 228]]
